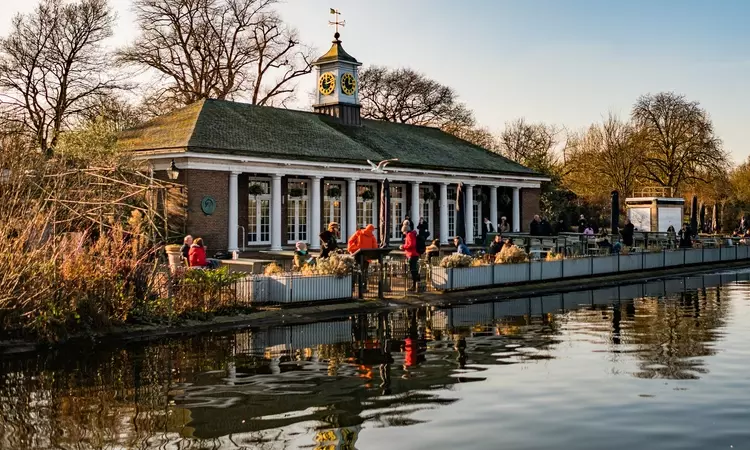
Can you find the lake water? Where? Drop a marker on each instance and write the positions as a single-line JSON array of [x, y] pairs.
[[660, 365]]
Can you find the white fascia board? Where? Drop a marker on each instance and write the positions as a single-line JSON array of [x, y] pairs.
[[235, 163]]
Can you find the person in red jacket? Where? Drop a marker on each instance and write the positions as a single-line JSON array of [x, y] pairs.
[[197, 255], [412, 254]]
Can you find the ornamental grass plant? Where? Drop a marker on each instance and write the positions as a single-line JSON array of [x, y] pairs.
[[511, 255]]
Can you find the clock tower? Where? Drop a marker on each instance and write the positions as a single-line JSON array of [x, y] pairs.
[[337, 92]]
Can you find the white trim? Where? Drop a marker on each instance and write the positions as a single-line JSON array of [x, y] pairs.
[[268, 165]]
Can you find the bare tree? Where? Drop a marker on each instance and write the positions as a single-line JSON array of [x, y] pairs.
[[217, 49], [679, 143], [52, 66], [605, 157], [115, 112], [531, 144], [476, 135], [406, 96]]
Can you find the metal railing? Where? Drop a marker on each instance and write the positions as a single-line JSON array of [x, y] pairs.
[[393, 279]]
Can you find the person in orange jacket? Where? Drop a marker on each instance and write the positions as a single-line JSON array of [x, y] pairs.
[[363, 239]]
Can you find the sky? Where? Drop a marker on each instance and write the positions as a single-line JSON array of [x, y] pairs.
[[564, 62]]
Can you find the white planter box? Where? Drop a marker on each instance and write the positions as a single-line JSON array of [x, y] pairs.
[[654, 260], [693, 256], [535, 270], [511, 273], [578, 267], [291, 289], [631, 262], [461, 277], [605, 264], [728, 253], [252, 289], [674, 258], [551, 270], [712, 254]]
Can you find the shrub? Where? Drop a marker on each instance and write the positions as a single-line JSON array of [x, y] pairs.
[[205, 290], [273, 269], [338, 264], [456, 260], [552, 256], [511, 255]]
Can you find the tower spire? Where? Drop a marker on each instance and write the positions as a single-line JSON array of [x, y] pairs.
[[336, 22]]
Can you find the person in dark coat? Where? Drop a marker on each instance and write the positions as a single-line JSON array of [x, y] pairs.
[[560, 226], [185, 249], [546, 227], [487, 228], [495, 246], [329, 240], [685, 237], [407, 218], [535, 227], [422, 229], [627, 233]]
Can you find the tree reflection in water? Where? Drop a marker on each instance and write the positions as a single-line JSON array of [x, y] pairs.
[[265, 388]]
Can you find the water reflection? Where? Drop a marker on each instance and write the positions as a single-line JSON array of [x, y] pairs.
[[317, 385]]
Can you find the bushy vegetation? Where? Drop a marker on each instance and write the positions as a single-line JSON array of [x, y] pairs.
[[511, 255]]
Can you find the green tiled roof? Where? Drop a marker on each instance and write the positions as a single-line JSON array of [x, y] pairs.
[[218, 126]]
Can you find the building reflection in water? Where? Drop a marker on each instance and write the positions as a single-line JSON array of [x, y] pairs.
[[266, 388]]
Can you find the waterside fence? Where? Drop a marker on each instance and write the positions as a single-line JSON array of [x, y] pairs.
[[391, 279]]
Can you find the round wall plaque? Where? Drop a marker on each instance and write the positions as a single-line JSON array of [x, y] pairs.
[[208, 205]]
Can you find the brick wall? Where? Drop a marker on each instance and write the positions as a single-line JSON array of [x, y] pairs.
[[530, 205], [213, 228]]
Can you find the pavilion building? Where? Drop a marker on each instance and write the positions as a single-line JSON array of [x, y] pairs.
[[260, 178]]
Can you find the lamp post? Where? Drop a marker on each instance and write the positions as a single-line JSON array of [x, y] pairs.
[[173, 172]]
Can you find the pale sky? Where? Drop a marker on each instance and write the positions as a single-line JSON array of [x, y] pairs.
[[566, 62]]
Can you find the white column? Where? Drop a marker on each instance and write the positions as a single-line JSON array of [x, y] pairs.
[[415, 202], [444, 213], [516, 210], [276, 212], [234, 210], [316, 211], [351, 208], [469, 203], [493, 207]]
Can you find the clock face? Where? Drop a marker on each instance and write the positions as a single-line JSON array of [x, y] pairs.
[[327, 83], [348, 84]]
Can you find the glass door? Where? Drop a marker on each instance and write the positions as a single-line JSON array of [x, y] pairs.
[[426, 205], [367, 208], [259, 212], [398, 210], [333, 198], [297, 211]]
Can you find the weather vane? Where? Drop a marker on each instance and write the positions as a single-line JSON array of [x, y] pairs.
[[336, 22]]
